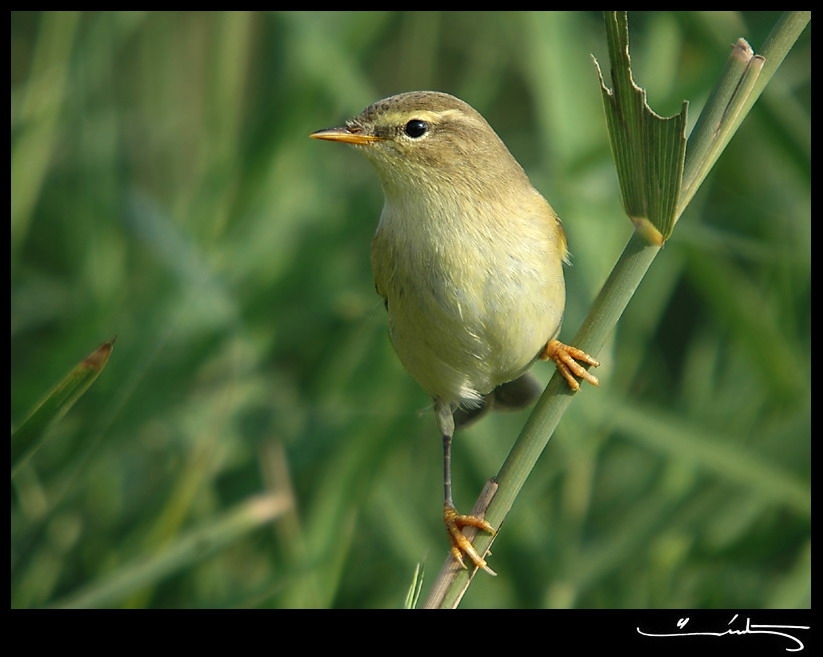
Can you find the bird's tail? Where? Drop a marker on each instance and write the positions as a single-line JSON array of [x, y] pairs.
[[512, 396]]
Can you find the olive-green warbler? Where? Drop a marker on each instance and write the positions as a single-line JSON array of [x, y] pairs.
[[468, 258]]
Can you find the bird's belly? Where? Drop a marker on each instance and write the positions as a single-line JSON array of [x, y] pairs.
[[461, 331]]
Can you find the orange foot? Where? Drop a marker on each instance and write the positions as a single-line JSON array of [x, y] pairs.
[[460, 544], [566, 357]]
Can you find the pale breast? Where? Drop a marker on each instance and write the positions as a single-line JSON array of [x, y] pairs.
[[468, 309]]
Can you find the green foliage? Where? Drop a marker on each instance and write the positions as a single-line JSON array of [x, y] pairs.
[[164, 190], [649, 150], [27, 438]]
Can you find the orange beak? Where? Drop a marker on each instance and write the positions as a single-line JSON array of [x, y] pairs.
[[345, 135]]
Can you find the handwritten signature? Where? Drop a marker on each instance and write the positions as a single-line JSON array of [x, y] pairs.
[[749, 629]]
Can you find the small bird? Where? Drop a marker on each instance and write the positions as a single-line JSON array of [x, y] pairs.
[[468, 258]]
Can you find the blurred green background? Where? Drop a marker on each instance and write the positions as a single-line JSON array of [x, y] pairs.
[[253, 441]]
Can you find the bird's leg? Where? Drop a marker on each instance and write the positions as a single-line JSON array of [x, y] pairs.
[[455, 522], [565, 357]]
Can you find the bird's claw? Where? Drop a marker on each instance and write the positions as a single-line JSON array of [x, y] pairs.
[[461, 545], [565, 357]]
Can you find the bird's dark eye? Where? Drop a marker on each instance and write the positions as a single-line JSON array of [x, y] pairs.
[[416, 128]]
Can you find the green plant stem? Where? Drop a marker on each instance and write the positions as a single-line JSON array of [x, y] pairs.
[[739, 86], [615, 295], [609, 305]]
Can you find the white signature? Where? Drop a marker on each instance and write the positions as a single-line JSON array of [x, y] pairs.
[[749, 629]]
